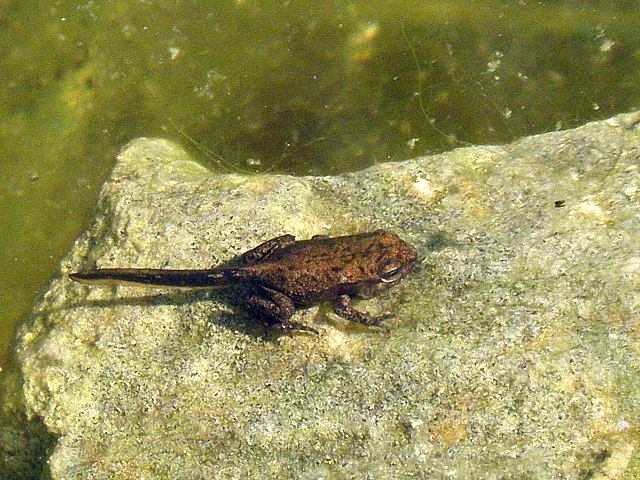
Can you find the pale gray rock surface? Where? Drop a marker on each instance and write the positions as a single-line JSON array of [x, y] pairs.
[[514, 351]]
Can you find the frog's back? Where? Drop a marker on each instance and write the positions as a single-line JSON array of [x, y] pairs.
[[320, 268]]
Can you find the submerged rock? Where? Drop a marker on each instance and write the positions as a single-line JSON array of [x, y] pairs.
[[514, 351]]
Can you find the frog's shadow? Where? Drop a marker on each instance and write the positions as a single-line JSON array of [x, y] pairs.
[[238, 319]]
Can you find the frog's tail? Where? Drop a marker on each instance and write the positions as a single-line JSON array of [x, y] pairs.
[[150, 277]]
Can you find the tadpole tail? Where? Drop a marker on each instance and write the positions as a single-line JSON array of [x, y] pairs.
[[150, 277]]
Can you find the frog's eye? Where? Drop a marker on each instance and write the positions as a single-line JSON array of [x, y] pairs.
[[391, 271]]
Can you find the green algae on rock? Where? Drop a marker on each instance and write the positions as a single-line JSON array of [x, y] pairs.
[[514, 352]]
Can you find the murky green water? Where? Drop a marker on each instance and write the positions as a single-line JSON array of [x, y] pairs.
[[300, 87]]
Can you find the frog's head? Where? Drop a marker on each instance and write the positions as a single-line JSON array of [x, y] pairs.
[[393, 260]]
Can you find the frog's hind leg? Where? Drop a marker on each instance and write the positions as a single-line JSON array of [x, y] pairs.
[[265, 249], [274, 309]]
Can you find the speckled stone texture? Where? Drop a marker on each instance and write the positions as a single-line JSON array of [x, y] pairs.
[[514, 350]]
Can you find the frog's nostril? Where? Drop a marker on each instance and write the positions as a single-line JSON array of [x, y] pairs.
[[418, 266]]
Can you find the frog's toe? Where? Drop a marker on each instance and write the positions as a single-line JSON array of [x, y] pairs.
[[374, 321], [289, 327]]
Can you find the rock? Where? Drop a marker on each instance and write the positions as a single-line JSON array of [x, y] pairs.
[[513, 353]]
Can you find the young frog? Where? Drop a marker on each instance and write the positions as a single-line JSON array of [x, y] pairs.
[[283, 274]]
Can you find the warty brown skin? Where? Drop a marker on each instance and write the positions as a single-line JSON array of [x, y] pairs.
[[282, 274]]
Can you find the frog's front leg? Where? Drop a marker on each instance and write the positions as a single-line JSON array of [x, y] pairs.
[[343, 308], [274, 309], [266, 248]]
